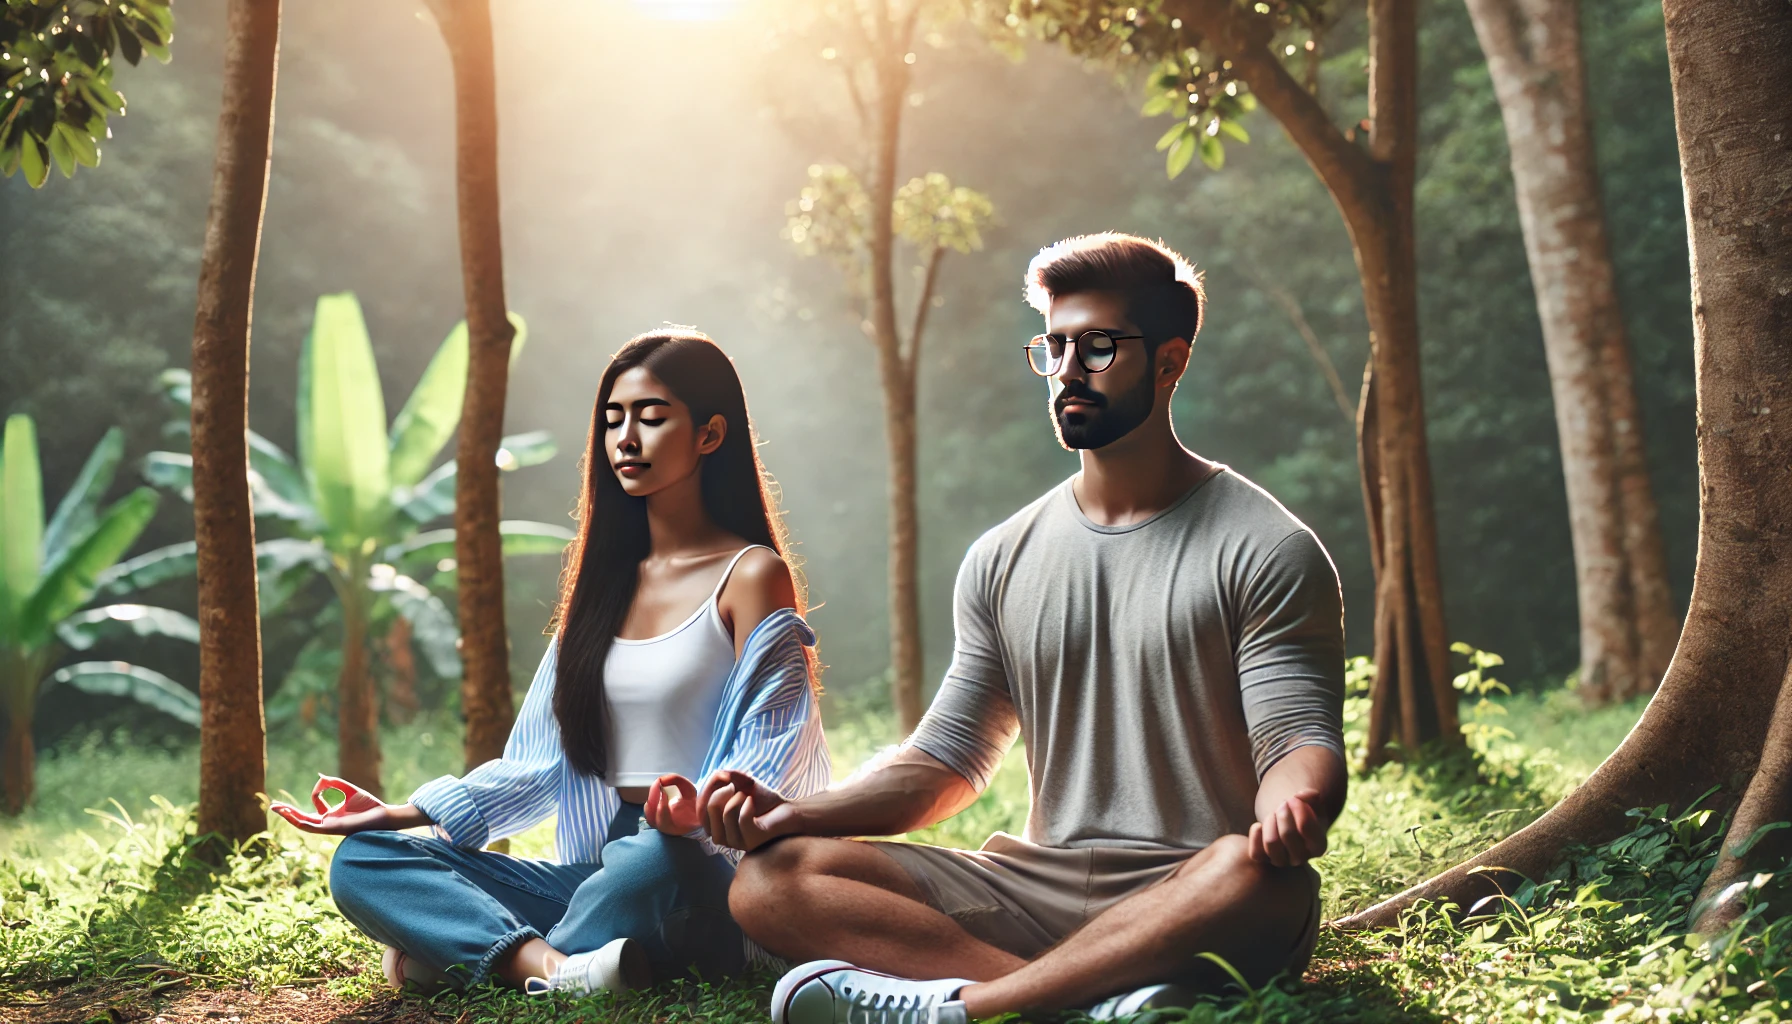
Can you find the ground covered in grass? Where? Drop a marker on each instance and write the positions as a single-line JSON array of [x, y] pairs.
[[104, 917]]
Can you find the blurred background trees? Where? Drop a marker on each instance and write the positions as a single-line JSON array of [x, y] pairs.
[[619, 219]]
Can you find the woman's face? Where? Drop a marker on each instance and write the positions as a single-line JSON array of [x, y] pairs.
[[649, 434]]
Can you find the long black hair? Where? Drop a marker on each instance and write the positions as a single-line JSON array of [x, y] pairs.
[[603, 563]]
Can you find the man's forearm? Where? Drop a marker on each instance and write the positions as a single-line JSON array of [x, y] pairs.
[[912, 791]]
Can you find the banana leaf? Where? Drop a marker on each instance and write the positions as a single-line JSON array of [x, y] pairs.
[[75, 513], [433, 628], [343, 441], [82, 630], [121, 679], [21, 514], [150, 568], [77, 576], [519, 537], [433, 497], [431, 413]]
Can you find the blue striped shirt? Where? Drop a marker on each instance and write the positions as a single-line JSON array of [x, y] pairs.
[[769, 726]]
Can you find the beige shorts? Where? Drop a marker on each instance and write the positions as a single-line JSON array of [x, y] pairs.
[[1025, 898]]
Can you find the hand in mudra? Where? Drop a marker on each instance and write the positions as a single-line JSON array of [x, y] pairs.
[[359, 811], [672, 806], [741, 812]]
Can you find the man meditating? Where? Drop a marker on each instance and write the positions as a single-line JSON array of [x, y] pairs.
[[1167, 639]]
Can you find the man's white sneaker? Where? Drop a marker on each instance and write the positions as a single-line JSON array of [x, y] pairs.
[[403, 972], [836, 992], [619, 966], [1141, 1000]]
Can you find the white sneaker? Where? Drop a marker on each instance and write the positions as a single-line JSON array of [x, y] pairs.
[[619, 966], [1142, 1000], [836, 992], [403, 972]]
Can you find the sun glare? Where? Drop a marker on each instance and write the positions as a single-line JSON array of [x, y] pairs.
[[687, 10]]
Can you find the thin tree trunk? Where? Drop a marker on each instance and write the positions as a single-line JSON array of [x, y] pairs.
[[1731, 66], [485, 645], [891, 77], [1373, 191], [18, 763], [1533, 50], [232, 731], [357, 705], [401, 665], [1645, 553]]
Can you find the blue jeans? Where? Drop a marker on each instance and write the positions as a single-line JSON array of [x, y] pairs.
[[459, 911]]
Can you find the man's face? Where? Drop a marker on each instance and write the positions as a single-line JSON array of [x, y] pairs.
[[1093, 410]]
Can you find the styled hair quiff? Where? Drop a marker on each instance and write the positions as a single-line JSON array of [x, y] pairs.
[[1163, 291]]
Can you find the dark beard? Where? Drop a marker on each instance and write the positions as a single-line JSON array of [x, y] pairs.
[[1112, 419]]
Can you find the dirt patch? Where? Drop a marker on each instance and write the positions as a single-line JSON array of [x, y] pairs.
[[184, 1005]]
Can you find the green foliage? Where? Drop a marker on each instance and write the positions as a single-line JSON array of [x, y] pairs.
[[56, 66], [357, 499], [832, 217], [1183, 78], [49, 572]]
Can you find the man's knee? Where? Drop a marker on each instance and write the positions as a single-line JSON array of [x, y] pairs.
[[768, 879]]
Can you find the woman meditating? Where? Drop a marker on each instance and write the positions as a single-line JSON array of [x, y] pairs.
[[679, 651]]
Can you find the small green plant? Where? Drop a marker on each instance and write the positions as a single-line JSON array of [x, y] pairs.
[[48, 574]]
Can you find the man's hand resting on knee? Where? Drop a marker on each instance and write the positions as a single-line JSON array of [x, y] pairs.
[[1299, 798], [908, 791]]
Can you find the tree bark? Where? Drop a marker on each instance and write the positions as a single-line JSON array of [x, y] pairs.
[[18, 763], [1731, 66], [232, 732], [1373, 190], [889, 40], [1533, 50], [357, 703], [478, 549]]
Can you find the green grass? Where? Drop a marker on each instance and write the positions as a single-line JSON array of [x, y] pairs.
[[105, 911]]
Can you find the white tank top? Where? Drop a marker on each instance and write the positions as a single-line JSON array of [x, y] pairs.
[[665, 692]]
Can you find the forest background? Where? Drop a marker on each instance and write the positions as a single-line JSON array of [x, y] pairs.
[[646, 173]]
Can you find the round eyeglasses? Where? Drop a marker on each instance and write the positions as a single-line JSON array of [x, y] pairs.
[[1094, 351]]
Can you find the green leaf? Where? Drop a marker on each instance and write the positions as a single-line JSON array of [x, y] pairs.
[[60, 151], [150, 568], [1180, 154], [343, 445], [278, 470], [32, 160], [431, 413], [283, 565], [145, 686], [519, 451], [1168, 138], [74, 515], [82, 630], [75, 579], [80, 145], [520, 537], [1235, 130], [21, 516], [520, 327], [1158, 104], [171, 471], [1213, 152], [433, 497]]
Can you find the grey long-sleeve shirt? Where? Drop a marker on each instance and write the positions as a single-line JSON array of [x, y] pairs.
[[1156, 670]]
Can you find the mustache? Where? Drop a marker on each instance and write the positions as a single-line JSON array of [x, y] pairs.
[[1077, 391]]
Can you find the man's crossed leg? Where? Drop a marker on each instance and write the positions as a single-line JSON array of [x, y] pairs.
[[1041, 938]]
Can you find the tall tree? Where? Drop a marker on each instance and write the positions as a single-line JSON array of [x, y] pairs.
[[1708, 725], [232, 731], [857, 221], [1205, 52], [1627, 623], [485, 645]]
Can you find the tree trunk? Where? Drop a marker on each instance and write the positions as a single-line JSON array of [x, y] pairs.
[[357, 704], [1707, 725], [1373, 190], [401, 667], [478, 550], [18, 763], [1533, 52], [232, 732], [897, 373]]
